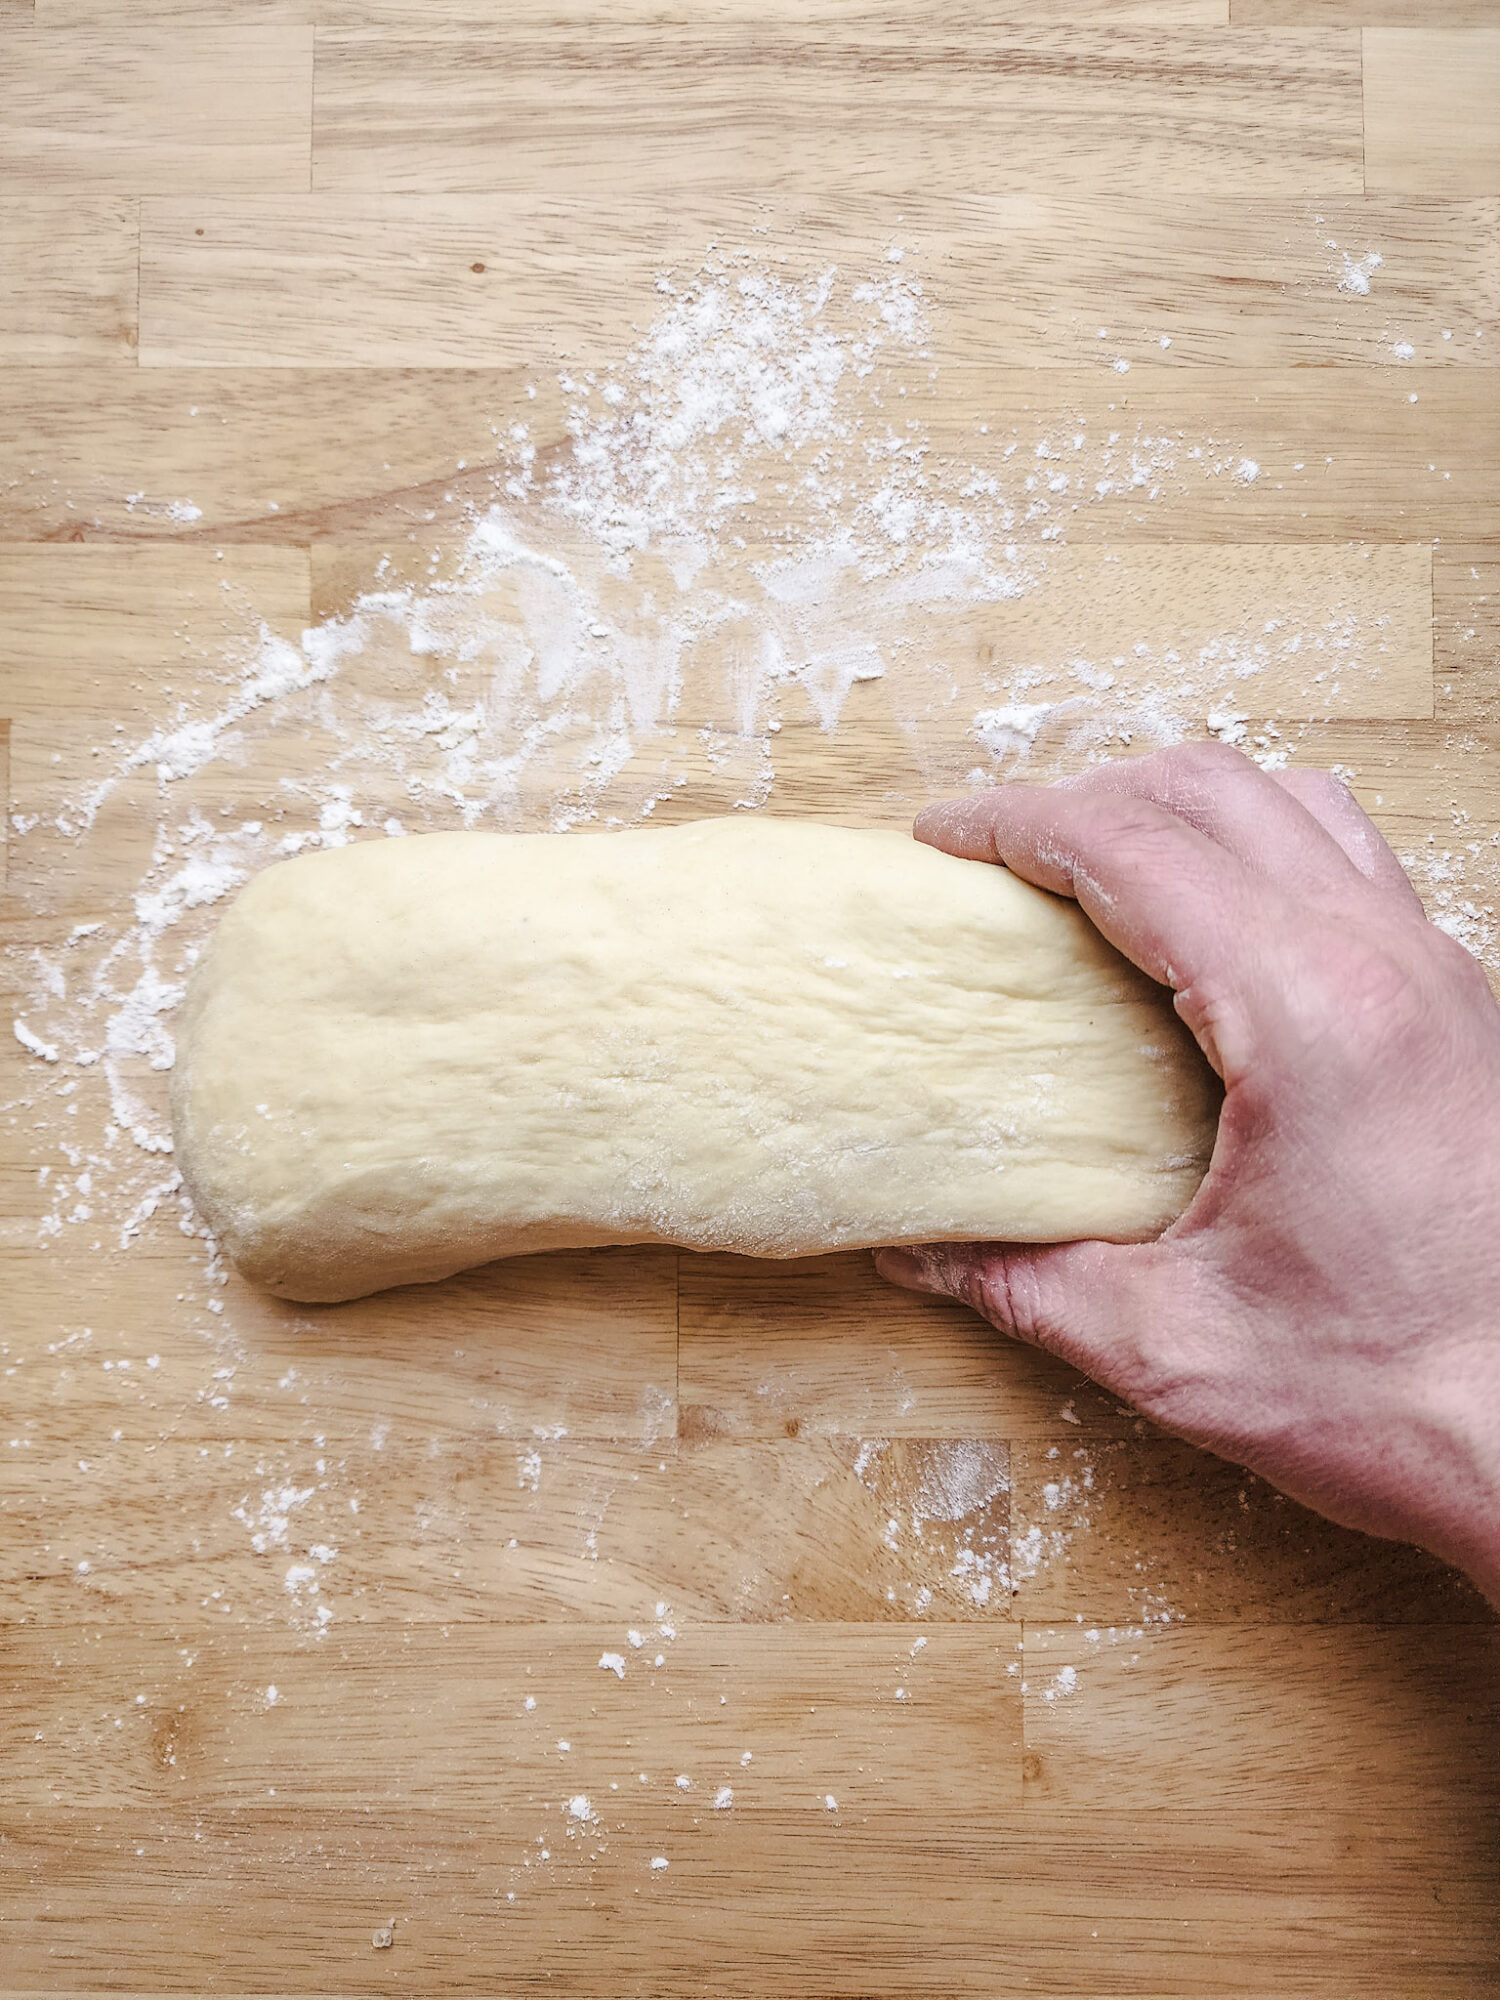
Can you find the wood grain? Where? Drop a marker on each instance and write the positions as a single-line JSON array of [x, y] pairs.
[[1365, 1712], [927, 1903], [1025, 280], [208, 1747], [84, 625], [68, 280], [1129, 1531], [74, 448], [376, 456], [1225, 610], [5, 822], [1349, 13], [822, 1344], [465, 1526], [1409, 447], [817, 1709], [861, 17], [1466, 629], [1431, 124], [1142, 108], [141, 111], [582, 1346], [1299, 631]]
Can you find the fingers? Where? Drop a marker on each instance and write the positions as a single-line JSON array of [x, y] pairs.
[[1172, 899], [1301, 828], [1195, 864], [1268, 826], [1093, 1305], [1333, 806]]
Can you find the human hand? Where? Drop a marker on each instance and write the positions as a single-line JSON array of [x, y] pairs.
[[1327, 1311]]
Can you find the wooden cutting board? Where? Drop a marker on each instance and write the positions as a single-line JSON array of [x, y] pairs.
[[635, 1623]]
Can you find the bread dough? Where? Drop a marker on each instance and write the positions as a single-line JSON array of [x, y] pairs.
[[405, 1057]]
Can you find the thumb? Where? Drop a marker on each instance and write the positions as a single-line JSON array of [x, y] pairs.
[[1094, 1305]]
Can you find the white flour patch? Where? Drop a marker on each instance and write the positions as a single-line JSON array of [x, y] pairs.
[[1354, 274], [33, 1043], [1066, 1512], [1010, 732], [282, 1521], [181, 512], [959, 1479], [944, 1523], [1064, 1683]]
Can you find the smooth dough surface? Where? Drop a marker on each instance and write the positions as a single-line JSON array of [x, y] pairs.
[[405, 1057]]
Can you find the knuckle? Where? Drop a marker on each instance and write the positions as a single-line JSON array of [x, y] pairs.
[[1209, 756], [1131, 821], [1193, 770], [954, 1271], [1354, 1005], [1009, 1296], [1321, 786], [1381, 1000]]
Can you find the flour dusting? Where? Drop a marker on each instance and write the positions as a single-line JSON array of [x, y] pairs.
[[745, 533], [751, 554]]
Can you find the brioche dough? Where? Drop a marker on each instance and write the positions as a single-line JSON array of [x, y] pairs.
[[404, 1057]]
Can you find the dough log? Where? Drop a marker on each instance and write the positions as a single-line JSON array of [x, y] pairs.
[[405, 1057]]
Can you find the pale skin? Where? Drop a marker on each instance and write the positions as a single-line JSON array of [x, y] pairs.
[[1327, 1311]]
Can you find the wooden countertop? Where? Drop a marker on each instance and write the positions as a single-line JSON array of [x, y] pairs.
[[391, 1647]]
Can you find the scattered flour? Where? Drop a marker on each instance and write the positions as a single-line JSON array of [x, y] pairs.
[[1451, 881], [616, 631], [1065, 1682], [33, 1042], [1010, 732], [274, 1522], [1355, 273], [751, 532], [943, 1521]]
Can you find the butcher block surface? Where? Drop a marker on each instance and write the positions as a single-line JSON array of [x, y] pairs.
[[630, 1622]]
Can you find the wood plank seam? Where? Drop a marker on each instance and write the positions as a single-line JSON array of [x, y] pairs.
[[1021, 1721], [139, 233], [5, 803], [312, 104]]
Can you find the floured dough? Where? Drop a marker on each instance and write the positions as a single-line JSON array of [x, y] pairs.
[[404, 1057]]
